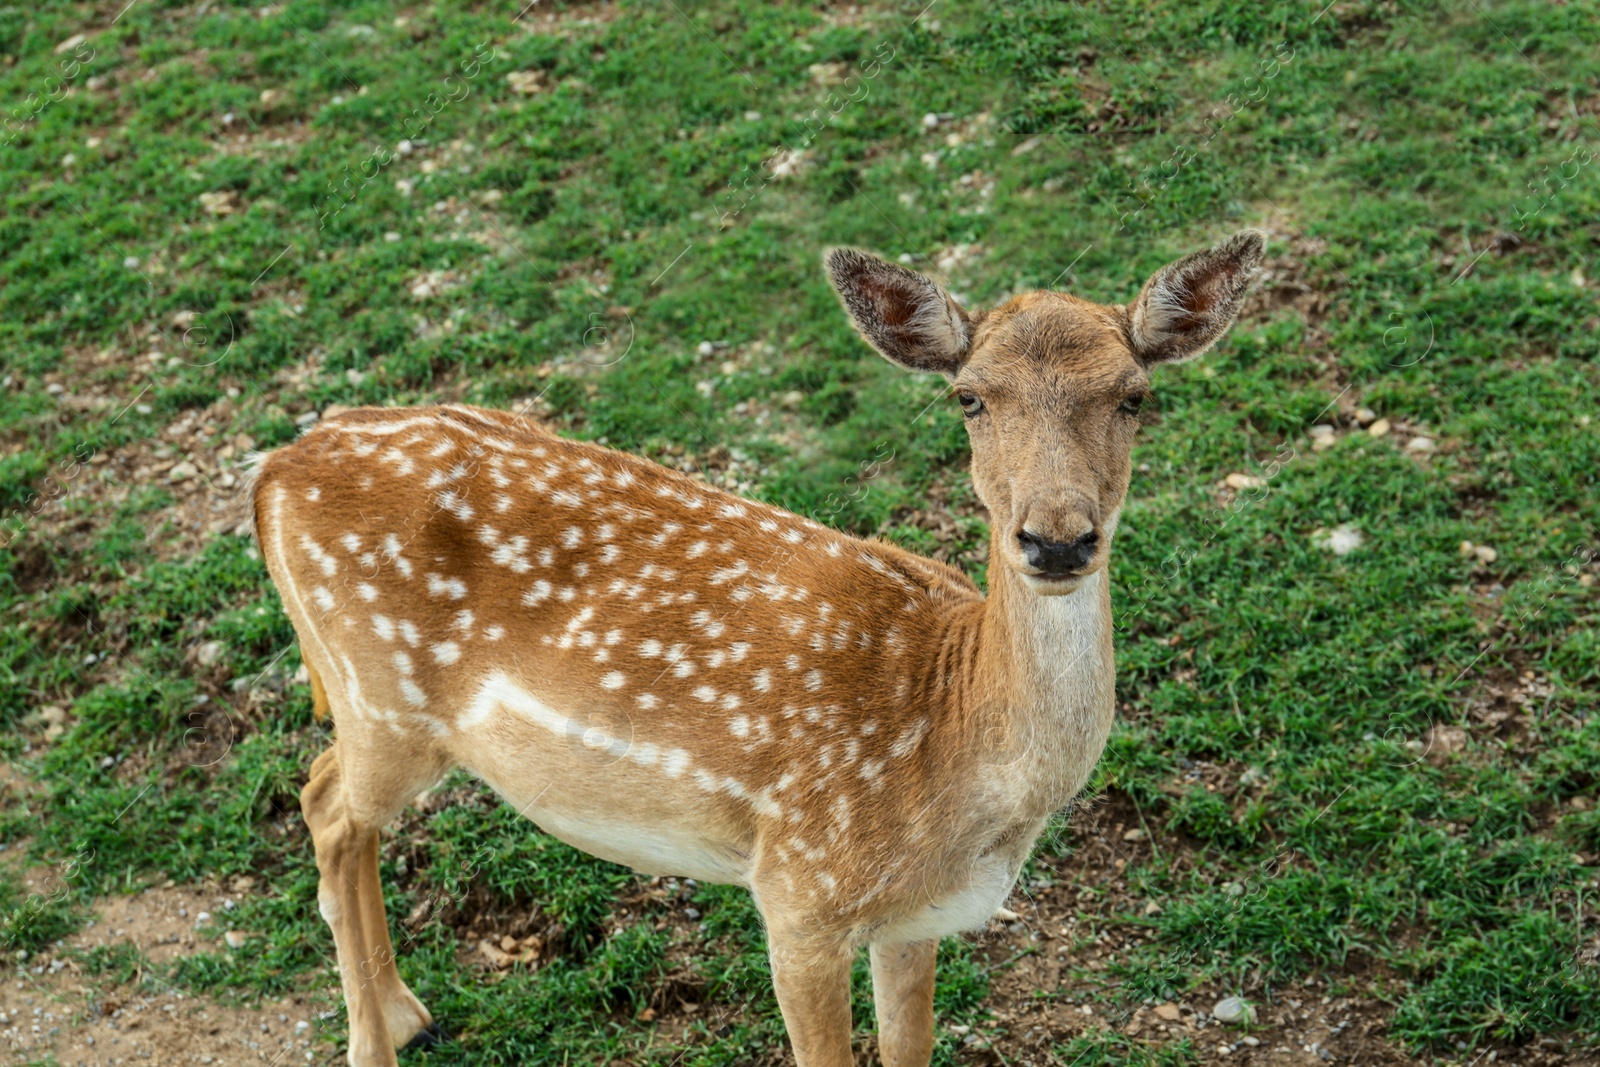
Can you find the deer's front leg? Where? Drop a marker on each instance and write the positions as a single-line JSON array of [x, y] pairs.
[[902, 992], [811, 975]]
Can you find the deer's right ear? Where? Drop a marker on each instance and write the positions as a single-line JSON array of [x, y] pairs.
[[906, 317]]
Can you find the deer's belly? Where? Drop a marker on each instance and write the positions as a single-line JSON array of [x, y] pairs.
[[650, 849], [598, 786]]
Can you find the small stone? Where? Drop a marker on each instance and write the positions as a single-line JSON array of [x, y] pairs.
[[182, 472], [306, 418], [53, 714], [1251, 1041], [1420, 445], [705, 348], [792, 399], [70, 43], [209, 653], [1135, 834], [497, 958], [526, 82], [1006, 915], [235, 938], [1233, 1010], [225, 202], [1485, 554], [1380, 428], [930, 121], [1321, 430], [1365, 416], [1466, 549], [202, 918], [1243, 481], [1168, 1011], [1323, 442], [1152, 908], [1341, 540], [301, 1026]]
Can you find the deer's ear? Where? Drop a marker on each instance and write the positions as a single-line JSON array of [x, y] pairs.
[[906, 317], [1186, 306]]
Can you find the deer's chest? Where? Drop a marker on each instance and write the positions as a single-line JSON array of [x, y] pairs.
[[971, 902]]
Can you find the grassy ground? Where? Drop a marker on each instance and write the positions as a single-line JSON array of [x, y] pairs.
[[1370, 773]]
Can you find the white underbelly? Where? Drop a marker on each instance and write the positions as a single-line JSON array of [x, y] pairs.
[[618, 797], [655, 848], [968, 908]]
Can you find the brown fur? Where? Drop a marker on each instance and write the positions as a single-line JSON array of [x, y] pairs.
[[671, 677]]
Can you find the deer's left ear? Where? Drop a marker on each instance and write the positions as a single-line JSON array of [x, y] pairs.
[[1186, 306]]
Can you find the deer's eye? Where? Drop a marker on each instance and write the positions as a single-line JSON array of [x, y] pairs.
[[1131, 405], [971, 405]]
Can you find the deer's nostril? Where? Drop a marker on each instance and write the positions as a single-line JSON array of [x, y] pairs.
[[1057, 557]]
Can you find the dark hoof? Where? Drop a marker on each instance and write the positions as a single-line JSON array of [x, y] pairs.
[[433, 1035]]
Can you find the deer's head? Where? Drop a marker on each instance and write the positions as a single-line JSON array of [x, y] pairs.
[[1051, 387]]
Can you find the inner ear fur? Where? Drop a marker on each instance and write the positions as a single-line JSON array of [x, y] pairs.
[[908, 318], [1187, 306]]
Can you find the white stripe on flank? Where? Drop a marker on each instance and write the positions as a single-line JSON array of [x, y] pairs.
[[500, 692]]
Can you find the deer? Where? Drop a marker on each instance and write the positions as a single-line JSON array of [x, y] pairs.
[[694, 684]]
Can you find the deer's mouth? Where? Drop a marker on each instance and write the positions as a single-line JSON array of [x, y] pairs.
[[1055, 583]]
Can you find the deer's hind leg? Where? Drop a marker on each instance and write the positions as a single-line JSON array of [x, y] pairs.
[[356, 786]]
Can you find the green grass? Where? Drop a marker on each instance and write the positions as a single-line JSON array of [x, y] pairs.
[[589, 238]]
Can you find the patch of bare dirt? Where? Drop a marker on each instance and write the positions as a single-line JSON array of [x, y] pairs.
[[162, 923], [1290, 280], [54, 1009]]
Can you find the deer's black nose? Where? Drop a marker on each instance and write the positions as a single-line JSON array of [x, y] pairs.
[[1057, 557]]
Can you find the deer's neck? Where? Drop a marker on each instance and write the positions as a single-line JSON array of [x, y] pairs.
[[1046, 667]]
